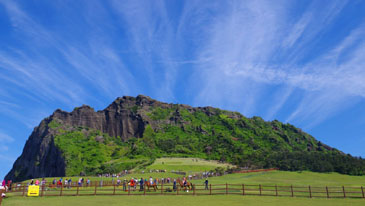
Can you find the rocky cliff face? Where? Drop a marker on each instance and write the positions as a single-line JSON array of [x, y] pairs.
[[126, 117], [40, 156]]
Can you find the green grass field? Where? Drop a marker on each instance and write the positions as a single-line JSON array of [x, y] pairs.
[[222, 200], [290, 178], [267, 179]]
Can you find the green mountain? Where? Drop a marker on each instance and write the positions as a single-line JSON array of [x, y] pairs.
[[133, 131]]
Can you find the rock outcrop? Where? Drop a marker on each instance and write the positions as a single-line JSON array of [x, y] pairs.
[[126, 117]]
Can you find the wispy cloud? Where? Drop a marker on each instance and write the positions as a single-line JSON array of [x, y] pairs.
[[5, 138], [60, 79], [243, 48], [153, 39]]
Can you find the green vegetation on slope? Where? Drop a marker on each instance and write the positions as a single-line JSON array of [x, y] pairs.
[[249, 142], [89, 151], [206, 133]]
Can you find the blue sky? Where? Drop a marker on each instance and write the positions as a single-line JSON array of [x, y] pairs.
[[301, 62]]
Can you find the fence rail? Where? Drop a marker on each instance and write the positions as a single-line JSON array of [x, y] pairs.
[[257, 170], [212, 189]]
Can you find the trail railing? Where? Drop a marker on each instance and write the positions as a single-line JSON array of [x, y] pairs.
[[95, 188]]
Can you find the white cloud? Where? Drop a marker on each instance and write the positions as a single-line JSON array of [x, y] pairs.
[[5, 138], [242, 46]]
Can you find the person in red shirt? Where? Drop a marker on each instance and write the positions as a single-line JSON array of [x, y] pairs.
[[132, 183]]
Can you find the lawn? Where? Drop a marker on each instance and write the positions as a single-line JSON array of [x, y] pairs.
[[221, 200], [304, 178]]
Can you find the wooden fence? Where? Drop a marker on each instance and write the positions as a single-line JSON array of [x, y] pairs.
[[217, 189], [1, 197], [258, 170]]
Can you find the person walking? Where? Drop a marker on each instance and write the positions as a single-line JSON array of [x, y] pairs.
[[174, 185], [79, 182], [43, 181], [124, 185], [141, 184], [10, 183], [132, 183], [206, 184], [151, 181]]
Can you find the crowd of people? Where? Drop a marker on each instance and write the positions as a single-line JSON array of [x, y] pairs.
[[133, 183], [127, 184], [68, 183], [6, 184]]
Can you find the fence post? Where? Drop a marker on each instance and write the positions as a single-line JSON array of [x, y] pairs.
[[260, 189], [77, 191], [144, 189], [42, 190], [1, 196], [193, 189], [243, 189], [276, 190], [95, 189], [114, 190], [362, 191], [328, 195], [177, 190], [292, 191], [344, 192], [310, 191], [61, 190], [226, 188], [23, 190], [129, 189], [161, 188]]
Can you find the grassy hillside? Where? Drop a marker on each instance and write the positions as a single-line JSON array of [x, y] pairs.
[[132, 132], [290, 178], [189, 165], [90, 151], [270, 178], [208, 133]]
